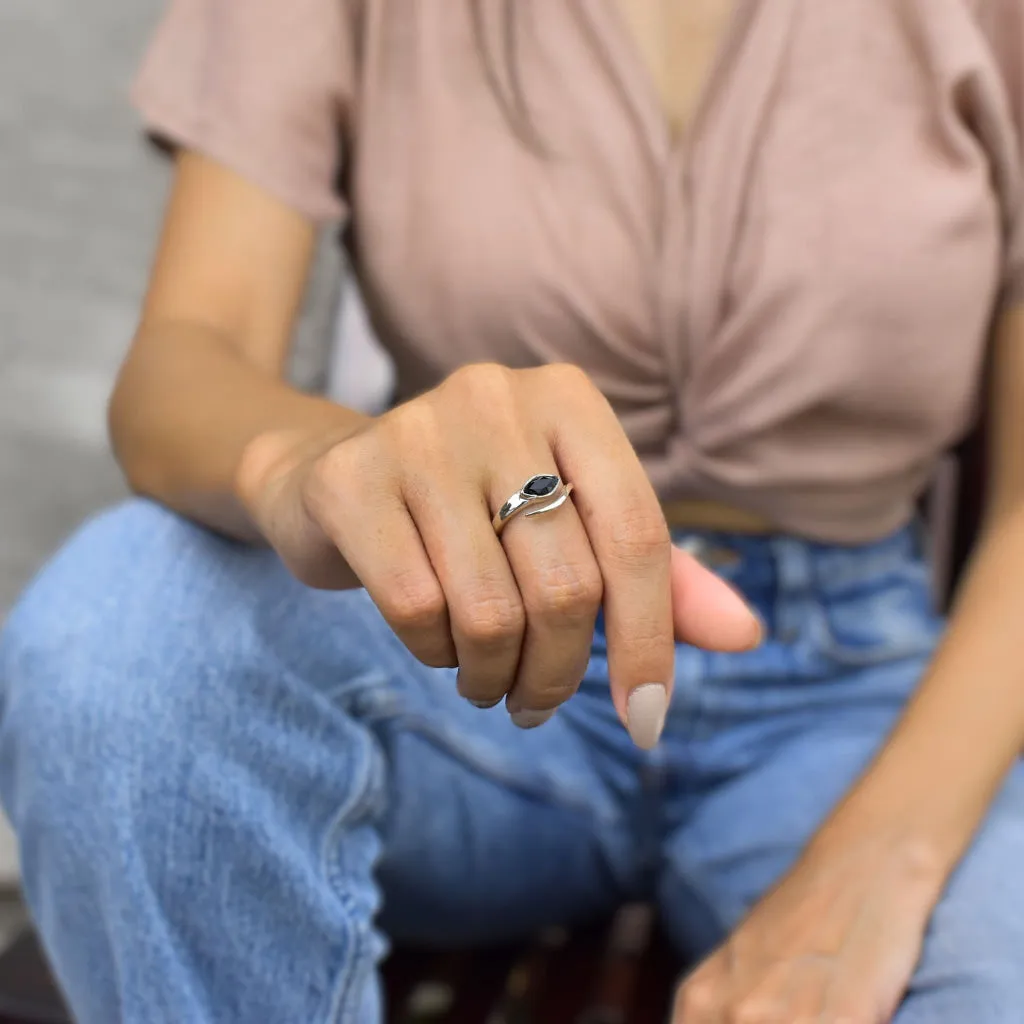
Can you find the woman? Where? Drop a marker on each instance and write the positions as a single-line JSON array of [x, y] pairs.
[[775, 239]]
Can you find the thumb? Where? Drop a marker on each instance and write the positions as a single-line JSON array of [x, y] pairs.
[[707, 612]]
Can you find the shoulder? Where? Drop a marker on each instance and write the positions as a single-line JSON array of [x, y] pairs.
[[260, 86]]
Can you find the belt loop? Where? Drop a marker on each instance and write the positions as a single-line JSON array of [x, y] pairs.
[[794, 566], [795, 587]]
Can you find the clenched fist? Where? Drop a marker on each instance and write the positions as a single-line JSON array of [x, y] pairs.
[[404, 508]]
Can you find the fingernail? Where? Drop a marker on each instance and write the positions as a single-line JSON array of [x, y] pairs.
[[762, 630], [645, 714], [484, 705], [528, 719]]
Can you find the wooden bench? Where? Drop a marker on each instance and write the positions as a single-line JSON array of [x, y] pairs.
[[620, 972]]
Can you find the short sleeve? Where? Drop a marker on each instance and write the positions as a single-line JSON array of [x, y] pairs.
[[260, 86]]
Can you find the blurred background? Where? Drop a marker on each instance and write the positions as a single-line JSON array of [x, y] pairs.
[[80, 200]]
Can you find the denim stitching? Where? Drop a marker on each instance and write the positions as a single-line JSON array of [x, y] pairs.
[[542, 787], [366, 789], [699, 884]]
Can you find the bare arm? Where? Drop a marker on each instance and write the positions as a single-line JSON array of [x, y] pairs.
[[401, 504], [843, 930], [203, 378], [933, 782]]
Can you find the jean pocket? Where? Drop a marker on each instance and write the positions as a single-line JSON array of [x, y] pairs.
[[883, 618]]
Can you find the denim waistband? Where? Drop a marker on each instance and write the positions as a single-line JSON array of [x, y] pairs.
[[784, 564]]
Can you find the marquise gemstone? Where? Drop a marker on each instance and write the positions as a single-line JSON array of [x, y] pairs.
[[540, 486]]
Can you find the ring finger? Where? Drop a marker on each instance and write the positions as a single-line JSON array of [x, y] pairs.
[[560, 583]]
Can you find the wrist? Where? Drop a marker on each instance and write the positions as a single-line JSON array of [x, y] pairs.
[[903, 851], [274, 455], [914, 859]]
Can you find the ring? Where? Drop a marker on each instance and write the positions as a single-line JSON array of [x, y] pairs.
[[542, 493]]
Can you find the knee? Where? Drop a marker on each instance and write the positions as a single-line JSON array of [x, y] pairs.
[[114, 591], [134, 560], [970, 969], [986, 988], [102, 659], [148, 663]]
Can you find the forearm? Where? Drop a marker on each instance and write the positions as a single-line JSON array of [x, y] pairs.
[[186, 411], [935, 778]]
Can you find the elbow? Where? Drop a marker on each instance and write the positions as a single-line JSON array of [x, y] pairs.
[[118, 419], [126, 433]]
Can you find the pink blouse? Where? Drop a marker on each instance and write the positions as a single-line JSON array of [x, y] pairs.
[[789, 311]]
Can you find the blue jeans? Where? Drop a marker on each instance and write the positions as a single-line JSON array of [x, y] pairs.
[[229, 788]]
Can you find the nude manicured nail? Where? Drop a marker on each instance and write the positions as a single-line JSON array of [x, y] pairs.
[[645, 714], [527, 719]]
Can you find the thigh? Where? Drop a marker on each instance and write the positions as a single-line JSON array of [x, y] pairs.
[[153, 651], [744, 836], [972, 965]]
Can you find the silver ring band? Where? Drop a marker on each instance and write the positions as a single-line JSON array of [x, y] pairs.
[[542, 493]]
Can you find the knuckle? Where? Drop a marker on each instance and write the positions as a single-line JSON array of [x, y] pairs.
[[414, 426], [336, 464], [640, 536], [569, 376], [492, 620], [486, 392], [576, 391], [568, 592], [482, 379], [343, 468], [327, 476], [412, 604], [698, 998]]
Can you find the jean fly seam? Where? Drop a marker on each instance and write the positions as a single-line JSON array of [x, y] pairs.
[[365, 793], [698, 884]]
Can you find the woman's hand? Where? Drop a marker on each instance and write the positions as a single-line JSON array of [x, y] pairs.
[[403, 507], [836, 942]]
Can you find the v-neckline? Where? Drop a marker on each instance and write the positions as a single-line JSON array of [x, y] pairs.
[[641, 88]]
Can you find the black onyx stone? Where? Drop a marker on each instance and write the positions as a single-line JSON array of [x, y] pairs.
[[540, 486]]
